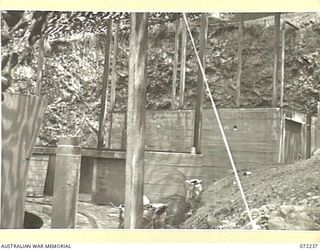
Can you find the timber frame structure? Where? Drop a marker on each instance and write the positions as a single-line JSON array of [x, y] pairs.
[[135, 118], [136, 113]]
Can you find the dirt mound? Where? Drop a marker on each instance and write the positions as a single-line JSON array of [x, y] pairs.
[[279, 197]]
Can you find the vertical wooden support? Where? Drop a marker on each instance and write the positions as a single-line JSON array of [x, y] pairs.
[[275, 58], [308, 136], [283, 44], [124, 133], [40, 66], [318, 111], [94, 188], [303, 138], [281, 135], [66, 183], [239, 58], [200, 84], [136, 121], [175, 65], [183, 64], [113, 80], [317, 127], [114, 67], [105, 87], [84, 52]]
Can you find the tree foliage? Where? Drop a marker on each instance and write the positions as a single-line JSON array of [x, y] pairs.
[[74, 53]]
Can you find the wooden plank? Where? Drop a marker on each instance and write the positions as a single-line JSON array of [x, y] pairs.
[[295, 116], [318, 113], [317, 128], [21, 120], [308, 136], [167, 158], [283, 44], [239, 58], [87, 152], [40, 66], [251, 16], [175, 65], [183, 65], [281, 146], [294, 141], [136, 120], [105, 86], [49, 184], [94, 184], [113, 80], [114, 66], [108, 154], [275, 59], [124, 133], [200, 84], [44, 150]]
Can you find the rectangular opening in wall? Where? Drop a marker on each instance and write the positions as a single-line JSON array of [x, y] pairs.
[[292, 141]]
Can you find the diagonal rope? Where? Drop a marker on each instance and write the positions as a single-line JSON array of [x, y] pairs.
[[253, 224]]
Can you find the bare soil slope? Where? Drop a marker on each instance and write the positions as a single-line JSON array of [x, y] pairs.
[[279, 197]]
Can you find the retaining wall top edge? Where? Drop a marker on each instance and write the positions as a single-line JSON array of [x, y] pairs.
[[219, 109]]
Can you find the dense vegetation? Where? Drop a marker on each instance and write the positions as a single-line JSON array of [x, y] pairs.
[[72, 74]]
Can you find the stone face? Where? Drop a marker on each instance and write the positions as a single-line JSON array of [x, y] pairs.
[[271, 206], [213, 221], [290, 217], [285, 210], [276, 223]]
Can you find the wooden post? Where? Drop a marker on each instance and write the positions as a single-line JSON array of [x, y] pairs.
[[281, 136], [175, 65], [124, 133], [66, 183], [318, 111], [136, 121], [183, 64], [113, 80], [239, 57], [317, 128], [94, 188], [40, 66], [105, 87], [275, 58], [308, 136], [114, 67], [283, 32], [200, 85]]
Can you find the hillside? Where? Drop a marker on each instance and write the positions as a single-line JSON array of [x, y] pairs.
[[280, 197], [73, 72]]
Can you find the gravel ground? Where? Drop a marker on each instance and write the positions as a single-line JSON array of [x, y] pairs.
[[89, 216]]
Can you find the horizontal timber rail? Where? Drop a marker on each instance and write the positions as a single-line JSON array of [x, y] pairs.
[[88, 152], [116, 154]]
